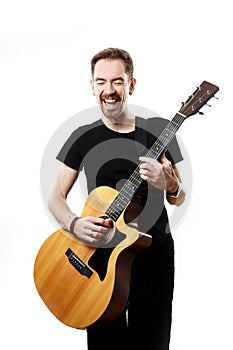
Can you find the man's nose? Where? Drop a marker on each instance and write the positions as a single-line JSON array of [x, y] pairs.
[[109, 88]]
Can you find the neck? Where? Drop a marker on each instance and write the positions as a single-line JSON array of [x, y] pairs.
[[122, 123]]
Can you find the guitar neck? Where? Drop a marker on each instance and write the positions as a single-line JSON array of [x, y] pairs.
[[129, 188]]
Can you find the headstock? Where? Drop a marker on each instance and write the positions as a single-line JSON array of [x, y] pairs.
[[198, 99]]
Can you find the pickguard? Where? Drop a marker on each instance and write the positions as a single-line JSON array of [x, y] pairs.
[[99, 260]]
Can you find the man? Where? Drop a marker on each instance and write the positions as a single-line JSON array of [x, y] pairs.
[[108, 150]]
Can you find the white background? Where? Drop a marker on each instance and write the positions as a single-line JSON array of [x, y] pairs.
[[45, 49]]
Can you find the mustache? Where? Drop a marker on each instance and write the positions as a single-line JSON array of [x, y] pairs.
[[112, 96]]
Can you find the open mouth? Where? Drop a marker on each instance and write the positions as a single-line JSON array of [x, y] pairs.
[[110, 102]]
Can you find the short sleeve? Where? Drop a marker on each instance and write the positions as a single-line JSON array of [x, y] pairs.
[[70, 154]]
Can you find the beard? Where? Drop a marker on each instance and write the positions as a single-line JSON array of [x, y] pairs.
[[113, 112], [112, 106]]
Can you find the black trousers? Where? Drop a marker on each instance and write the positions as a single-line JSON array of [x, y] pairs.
[[146, 322]]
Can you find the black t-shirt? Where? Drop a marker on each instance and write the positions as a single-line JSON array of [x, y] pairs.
[[109, 158]]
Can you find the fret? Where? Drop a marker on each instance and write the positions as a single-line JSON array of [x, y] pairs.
[[124, 196], [192, 106], [131, 185]]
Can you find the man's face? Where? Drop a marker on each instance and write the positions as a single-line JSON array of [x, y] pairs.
[[111, 86]]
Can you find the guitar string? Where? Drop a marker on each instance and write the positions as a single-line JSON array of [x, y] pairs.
[[167, 134], [134, 180]]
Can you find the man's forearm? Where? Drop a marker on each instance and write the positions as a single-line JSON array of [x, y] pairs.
[[61, 211]]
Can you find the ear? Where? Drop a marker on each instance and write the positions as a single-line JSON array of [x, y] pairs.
[[131, 86]]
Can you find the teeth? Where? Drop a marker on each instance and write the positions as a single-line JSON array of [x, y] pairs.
[[110, 101]]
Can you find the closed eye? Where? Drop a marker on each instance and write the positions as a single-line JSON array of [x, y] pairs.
[[100, 82], [118, 82]]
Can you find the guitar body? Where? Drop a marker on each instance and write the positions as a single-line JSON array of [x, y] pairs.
[[86, 286]]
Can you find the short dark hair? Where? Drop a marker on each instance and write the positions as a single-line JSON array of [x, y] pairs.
[[114, 53]]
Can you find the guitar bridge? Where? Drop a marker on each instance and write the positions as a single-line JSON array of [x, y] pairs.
[[78, 264]]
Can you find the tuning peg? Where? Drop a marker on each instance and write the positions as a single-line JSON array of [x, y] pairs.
[[208, 105], [217, 98], [201, 113]]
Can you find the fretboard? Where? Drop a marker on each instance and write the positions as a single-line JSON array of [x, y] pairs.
[[131, 185]]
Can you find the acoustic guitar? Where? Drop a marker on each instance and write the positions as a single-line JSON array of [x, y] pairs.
[[88, 286]]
